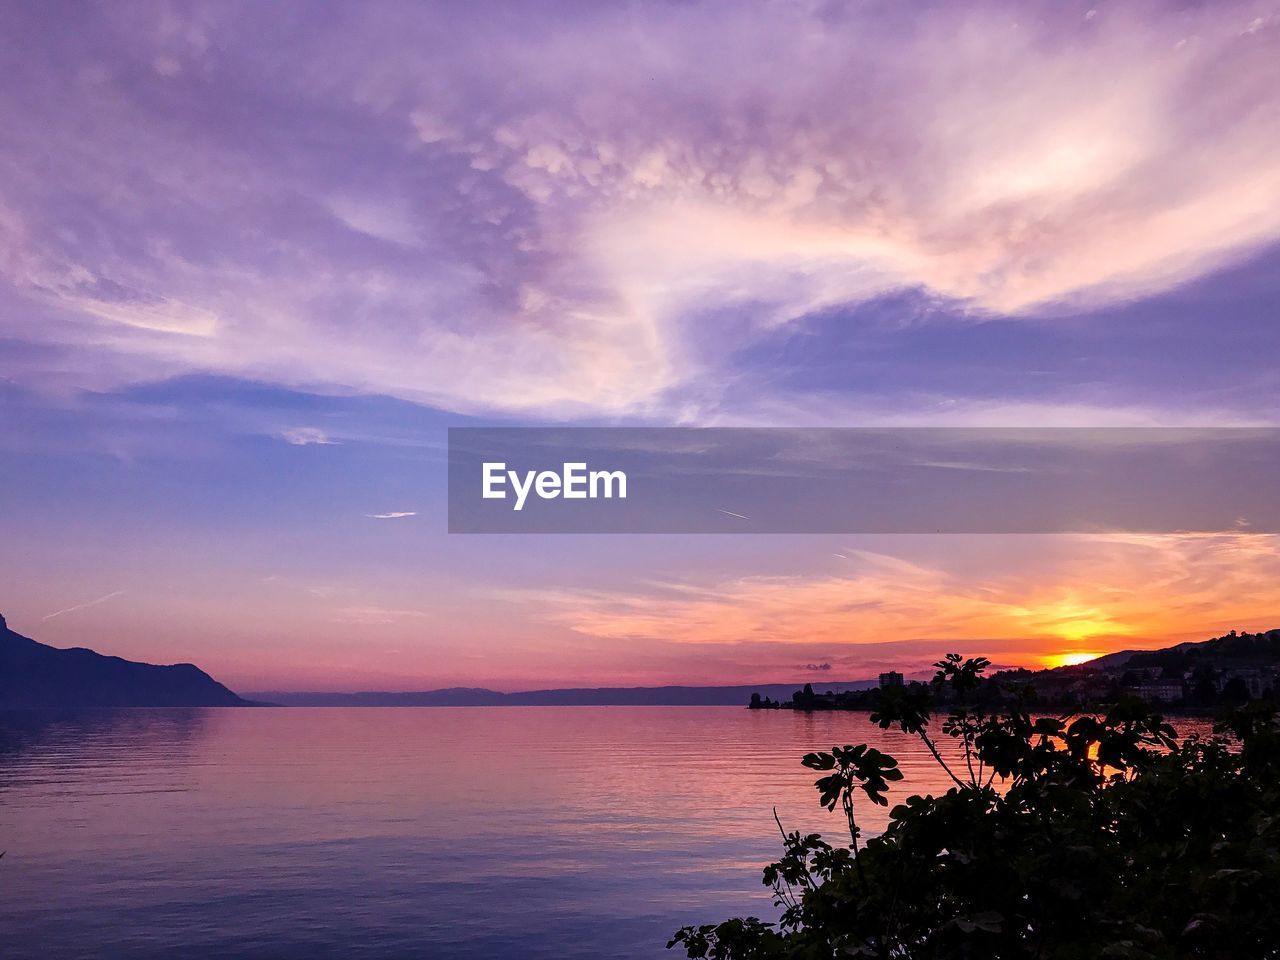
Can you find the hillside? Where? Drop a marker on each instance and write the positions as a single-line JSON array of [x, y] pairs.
[[34, 675], [1206, 673]]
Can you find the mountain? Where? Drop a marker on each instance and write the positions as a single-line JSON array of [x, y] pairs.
[[35, 675], [1201, 675], [671, 696], [1231, 652], [1109, 661]]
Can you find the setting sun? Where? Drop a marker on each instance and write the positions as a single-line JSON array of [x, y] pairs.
[[1071, 659]]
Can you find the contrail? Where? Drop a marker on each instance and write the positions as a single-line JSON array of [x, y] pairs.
[[732, 514], [81, 606]]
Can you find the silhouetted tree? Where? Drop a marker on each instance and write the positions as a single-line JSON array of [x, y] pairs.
[[1060, 839], [1235, 691]]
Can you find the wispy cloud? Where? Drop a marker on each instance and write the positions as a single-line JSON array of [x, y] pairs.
[[83, 606], [307, 436], [394, 515], [369, 616]]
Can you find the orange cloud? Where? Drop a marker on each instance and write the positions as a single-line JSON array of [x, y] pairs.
[[1085, 595]]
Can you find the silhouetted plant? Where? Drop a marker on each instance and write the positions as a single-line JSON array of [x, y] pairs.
[[1060, 839]]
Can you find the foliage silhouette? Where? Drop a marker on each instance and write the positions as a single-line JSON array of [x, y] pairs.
[[1060, 839]]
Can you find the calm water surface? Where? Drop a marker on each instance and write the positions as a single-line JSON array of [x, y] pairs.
[[533, 832]]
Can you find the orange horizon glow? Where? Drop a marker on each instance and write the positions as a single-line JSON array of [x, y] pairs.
[[1069, 658], [1022, 602]]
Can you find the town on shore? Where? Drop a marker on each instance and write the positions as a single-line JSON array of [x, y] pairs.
[[1192, 677]]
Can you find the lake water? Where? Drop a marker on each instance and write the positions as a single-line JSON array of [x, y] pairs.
[[537, 832]]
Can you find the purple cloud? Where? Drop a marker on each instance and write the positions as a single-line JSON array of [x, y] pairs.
[[587, 211]]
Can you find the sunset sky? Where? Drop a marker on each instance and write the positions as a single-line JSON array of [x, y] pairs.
[[256, 258]]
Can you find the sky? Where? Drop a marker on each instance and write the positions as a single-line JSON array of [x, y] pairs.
[[256, 259]]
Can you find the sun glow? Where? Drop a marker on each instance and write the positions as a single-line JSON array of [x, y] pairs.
[[1071, 659]]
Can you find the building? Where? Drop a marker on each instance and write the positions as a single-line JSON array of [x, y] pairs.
[[1162, 690], [890, 679]]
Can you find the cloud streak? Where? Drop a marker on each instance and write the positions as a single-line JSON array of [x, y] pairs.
[[83, 606]]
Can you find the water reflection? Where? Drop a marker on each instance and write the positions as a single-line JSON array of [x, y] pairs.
[[65, 732], [503, 832]]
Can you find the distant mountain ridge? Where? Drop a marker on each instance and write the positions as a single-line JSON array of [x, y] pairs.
[[34, 675], [667, 696]]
